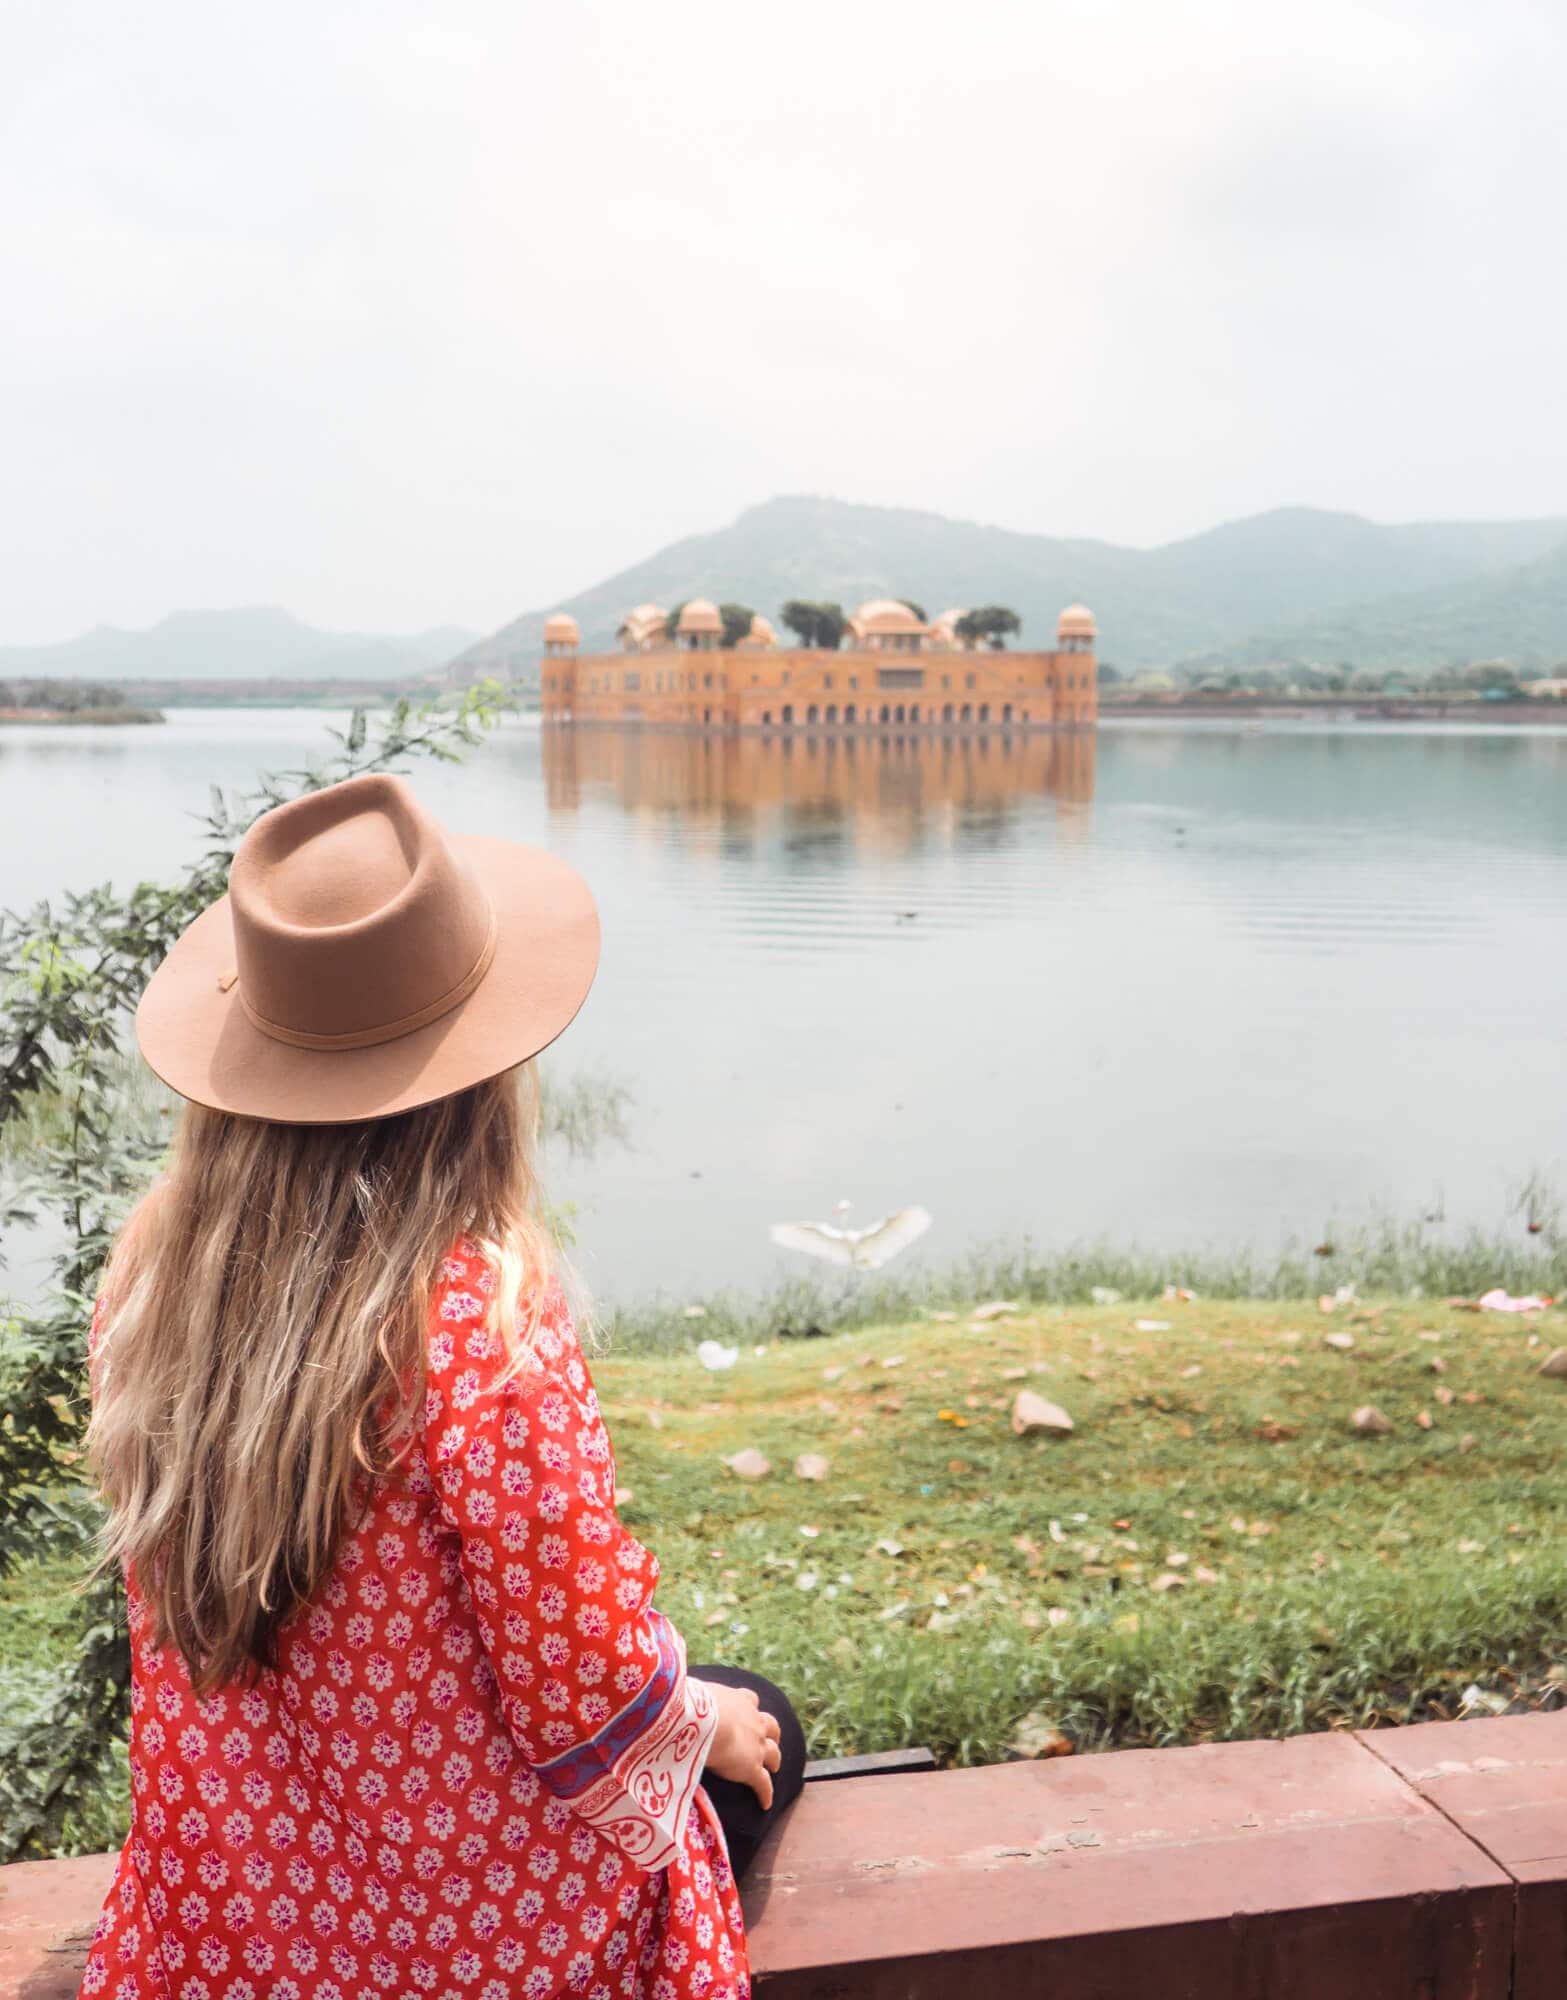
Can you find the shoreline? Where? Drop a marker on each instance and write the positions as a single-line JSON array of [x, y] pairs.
[[1380, 1257], [1334, 708], [86, 718]]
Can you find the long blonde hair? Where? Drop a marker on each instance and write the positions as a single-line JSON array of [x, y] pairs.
[[260, 1353]]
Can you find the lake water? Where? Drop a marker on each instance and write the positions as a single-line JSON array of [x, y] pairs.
[[1183, 983]]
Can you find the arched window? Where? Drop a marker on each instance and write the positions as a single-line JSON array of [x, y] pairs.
[[811, 714], [832, 711], [898, 715], [967, 715], [788, 711], [886, 713], [848, 713], [984, 711], [767, 718], [914, 711], [946, 713], [1006, 713], [707, 715]]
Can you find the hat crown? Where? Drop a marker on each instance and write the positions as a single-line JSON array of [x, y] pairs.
[[355, 921]]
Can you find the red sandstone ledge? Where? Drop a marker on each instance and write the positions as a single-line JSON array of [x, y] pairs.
[[1427, 1863]]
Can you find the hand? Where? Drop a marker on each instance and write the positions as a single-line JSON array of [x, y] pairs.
[[745, 1743]]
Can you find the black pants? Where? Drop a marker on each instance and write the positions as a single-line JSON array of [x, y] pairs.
[[740, 1812]]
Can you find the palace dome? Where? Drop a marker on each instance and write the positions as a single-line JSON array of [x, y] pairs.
[[561, 630], [641, 628], [885, 614], [1076, 622], [699, 619], [761, 632]]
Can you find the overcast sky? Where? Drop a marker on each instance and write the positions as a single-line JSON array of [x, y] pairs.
[[400, 315]]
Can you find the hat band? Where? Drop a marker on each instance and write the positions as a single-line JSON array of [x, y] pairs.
[[388, 1031]]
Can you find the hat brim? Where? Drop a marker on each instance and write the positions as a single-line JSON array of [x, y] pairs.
[[201, 1042]]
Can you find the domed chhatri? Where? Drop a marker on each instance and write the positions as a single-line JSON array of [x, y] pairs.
[[1076, 630], [700, 625], [892, 672], [643, 629], [761, 637], [883, 625]]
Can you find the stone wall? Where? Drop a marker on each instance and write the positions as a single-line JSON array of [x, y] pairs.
[[801, 689]]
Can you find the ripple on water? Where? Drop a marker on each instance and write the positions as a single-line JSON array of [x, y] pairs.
[[1181, 986]]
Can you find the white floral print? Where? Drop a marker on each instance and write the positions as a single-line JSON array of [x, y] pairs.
[[474, 1773]]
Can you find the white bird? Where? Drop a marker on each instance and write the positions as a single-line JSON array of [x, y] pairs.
[[713, 1356], [864, 1249]]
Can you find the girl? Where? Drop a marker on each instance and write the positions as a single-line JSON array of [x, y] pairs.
[[405, 1719]]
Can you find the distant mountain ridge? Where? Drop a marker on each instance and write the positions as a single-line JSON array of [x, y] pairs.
[[1296, 582], [1517, 614], [256, 642]]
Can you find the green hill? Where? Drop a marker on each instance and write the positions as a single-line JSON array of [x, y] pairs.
[[256, 642], [1292, 570], [1518, 615]]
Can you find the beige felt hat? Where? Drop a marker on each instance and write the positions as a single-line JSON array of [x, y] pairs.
[[365, 961]]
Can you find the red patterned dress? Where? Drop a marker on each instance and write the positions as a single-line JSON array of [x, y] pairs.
[[474, 1773]]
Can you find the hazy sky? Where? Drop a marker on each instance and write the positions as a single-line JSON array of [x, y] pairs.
[[404, 314]]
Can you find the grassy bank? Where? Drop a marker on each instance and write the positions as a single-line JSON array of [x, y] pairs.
[[1213, 1551], [1381, 1255]]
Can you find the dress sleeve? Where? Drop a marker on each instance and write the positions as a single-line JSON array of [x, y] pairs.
[[590, 1676]]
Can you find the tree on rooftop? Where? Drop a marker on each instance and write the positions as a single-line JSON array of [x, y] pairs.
[[918, 609], [737, 622], [814, 624], [989, 625]]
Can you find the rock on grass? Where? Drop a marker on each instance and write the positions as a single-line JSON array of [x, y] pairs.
[[1032, 1412], [1038, 1735], [1370, 1422]]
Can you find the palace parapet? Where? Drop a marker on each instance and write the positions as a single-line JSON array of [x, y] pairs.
[[893, 671]]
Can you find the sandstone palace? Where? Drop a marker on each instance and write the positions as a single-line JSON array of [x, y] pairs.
[[892, 670]]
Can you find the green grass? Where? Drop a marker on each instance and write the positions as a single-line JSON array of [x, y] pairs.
[[38, 1629], [1354, 1579]]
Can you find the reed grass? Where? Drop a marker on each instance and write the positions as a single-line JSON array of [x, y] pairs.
[[1383, 1255]]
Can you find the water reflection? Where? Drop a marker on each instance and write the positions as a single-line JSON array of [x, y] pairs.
[[1174, 984], [812, 795]]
